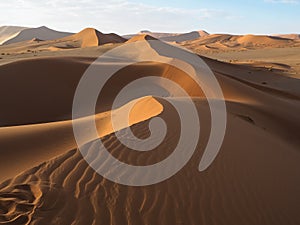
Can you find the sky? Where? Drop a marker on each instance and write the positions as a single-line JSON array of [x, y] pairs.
[[132, 16]]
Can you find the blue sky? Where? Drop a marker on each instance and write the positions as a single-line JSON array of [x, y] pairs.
[[131, 16]]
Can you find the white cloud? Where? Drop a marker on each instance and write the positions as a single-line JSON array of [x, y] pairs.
[[121, 16]]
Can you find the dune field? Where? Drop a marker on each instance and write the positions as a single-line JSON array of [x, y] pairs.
[[45, 179]]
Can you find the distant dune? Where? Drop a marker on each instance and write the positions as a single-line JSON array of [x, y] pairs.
[[289, 36], [92, 37], [9, 32], [42, 33], [153, 34], [158, 34], [88, 37], [185, 37], [172, 37], [141, 37], [238, 42]]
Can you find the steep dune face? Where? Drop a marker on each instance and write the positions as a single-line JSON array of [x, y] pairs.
[[92, 37], [46, 85], [43, 33], [254, 179], [9, 32]]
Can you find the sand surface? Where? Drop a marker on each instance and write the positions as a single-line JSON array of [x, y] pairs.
[[172, 37], [277, 54], [71, 45], [9, 32], [217, 42], [289, 36], [253, 180], [41, 33]]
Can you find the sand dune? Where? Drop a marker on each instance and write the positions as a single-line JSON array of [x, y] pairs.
[[219, 42], [92, 37], [67, 184], [43, 139], [277, 54], [158, 34], [172, 37], [288, 36], [254, 179], [56, 86], [153, 34], [141, 37], [86, 38], [185, 37], [9, 32], [43, 33]]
